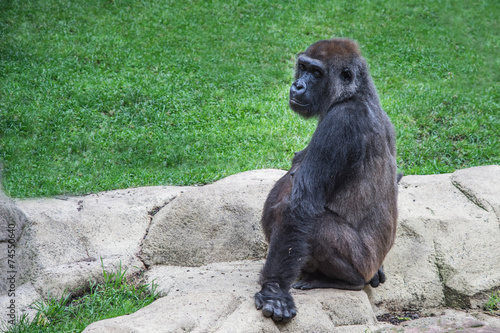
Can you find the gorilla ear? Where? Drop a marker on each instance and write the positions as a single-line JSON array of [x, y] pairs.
[[346, 75]]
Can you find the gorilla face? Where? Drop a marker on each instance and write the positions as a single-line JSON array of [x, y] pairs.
[[311, 82], [321, 83]]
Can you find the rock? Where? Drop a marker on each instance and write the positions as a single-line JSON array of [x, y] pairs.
[[12, 225], [446, 251], [221, 219], [186, 313], [448, 321], [204, 246], [344, 307], [480, 185], [239, 277], [194, 294], [67, 241]]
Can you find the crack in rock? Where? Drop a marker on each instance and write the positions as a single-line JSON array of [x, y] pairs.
[[470, 196], [151, 214], [452, 298]]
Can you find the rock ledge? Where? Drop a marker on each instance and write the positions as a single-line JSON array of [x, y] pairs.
[[204, 248]]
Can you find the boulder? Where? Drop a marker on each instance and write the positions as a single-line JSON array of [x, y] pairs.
[[447, 245], [186, 313], [219, 298], [449, 321], [69, 240], [204, 248], [221, 219], [12, 225], [480, 185]]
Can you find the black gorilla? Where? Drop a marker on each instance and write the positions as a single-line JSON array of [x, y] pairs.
[[333, 216]]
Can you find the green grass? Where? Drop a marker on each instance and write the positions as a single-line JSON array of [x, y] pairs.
[[493, 304], [105, 94], [115, 297]]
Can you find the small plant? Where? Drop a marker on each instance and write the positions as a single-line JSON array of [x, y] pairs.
[[114, 297], [493, 304]]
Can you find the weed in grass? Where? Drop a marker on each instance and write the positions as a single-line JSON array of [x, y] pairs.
[[114, 297]]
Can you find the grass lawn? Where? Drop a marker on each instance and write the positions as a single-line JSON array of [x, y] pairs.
[[104, 94]]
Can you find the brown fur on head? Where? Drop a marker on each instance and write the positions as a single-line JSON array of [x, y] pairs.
[[336, 47]]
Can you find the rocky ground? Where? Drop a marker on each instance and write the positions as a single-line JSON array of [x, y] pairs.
[[204, 248]]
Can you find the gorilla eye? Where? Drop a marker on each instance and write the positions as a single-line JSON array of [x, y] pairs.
[[346, 75], [302, 67], [317, 73]]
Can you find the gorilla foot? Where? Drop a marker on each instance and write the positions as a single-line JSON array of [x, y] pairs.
[[378, 278], [275, 303], [305, 284]]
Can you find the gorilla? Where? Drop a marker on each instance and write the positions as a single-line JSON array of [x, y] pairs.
[[331, 219]]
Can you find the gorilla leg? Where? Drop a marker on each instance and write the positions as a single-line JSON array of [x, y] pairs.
[[339, 257], [317, 279], [332, 271]]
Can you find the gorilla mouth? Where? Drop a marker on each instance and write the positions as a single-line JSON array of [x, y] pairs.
[[295, 102]]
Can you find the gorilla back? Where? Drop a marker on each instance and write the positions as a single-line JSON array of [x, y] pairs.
[[332, 218]]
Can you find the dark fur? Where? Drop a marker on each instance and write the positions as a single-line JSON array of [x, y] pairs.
[[333, 216]]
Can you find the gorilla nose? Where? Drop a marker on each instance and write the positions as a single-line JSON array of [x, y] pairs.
[[298, 89]]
